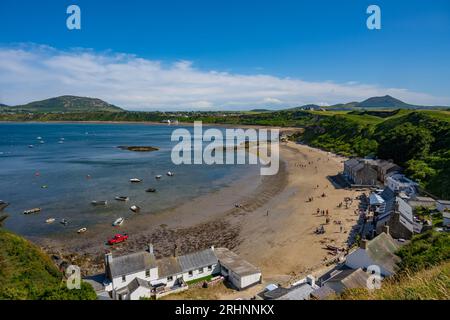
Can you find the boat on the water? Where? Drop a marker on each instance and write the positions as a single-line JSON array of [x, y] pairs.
[[122, 198], [158, 176], [150, 190], [135, 208], [50, 220], [99, 203], [170, 174], [31, 211], [30, 146], [82, 230], [64, 222], [118, 221], [135, 180]]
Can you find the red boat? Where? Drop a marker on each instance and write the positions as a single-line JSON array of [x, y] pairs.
[[118, 238]]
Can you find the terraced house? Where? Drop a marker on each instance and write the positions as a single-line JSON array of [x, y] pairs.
[[141, 275]]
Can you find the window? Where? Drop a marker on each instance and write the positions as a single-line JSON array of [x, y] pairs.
[[124, 278], [169, 278], [191, 273], [200, 270], [147, 273], [209, 268]]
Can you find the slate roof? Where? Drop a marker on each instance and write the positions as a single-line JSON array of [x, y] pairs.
[[444, 202], [382, 250], [197, 260], [136, 283], [351, 162], [233, 262], [300, 292], [174, 265], [387, 194], [131, 263], [322, 293], [168, 266], [351, 278]]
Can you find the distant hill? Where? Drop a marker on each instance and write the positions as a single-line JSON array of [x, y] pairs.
[[64, 104], [384, 102]]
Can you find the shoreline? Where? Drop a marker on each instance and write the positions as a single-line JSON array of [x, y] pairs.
[[275, 220]]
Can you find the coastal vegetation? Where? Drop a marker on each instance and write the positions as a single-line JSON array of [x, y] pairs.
[[27, 273]]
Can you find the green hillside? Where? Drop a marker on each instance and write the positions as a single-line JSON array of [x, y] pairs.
[[64, 104], [26, 273]]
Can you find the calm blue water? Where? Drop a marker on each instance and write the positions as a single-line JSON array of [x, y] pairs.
[[91, 150]]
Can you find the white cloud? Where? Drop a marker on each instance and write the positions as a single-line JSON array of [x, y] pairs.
[[34, 72]]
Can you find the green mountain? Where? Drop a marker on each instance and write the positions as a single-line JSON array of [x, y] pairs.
[[27, 273], [64, 104], [384, 102]]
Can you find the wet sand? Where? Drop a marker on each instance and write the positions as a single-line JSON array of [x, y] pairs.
[[273, 228]]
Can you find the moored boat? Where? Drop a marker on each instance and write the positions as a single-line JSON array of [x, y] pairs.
[[64, 222], [118, 221], [82, 230], [158, 176], [170, 174], [135, 180], [31, 211], [150, 190], [135, 208], [122, 198], [99, 203], [50, 220]]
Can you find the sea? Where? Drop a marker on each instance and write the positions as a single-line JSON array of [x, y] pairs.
[[63, 167]]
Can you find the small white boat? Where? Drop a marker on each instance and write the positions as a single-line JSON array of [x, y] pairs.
[[82, 230], [118, 222], [39, 138], [64, 222], [30, 146], [170, 174], [50, 220], [158, 176], [34, 210], [99, 203], [60, 142], [122, 198], [135, 180], [41, 141], [135, 208]]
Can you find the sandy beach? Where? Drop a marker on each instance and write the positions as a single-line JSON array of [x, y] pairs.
[[273, 228]]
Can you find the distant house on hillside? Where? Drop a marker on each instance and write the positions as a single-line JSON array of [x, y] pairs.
[[380, 251]]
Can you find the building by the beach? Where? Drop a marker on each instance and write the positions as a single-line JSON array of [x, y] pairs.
[[140, 275]]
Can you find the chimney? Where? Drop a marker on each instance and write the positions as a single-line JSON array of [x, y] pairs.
[[386, 229], [108, 258], [150, 248], [310, 280], [363, 244]]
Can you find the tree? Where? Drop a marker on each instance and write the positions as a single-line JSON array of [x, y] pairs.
[[404, 142]]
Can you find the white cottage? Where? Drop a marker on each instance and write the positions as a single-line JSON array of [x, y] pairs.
[[140, 275]]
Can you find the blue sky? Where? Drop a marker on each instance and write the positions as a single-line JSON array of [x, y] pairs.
[[225, 54]]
